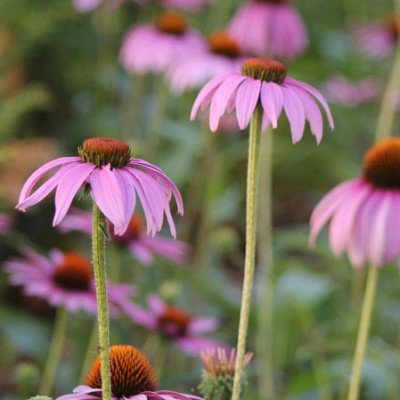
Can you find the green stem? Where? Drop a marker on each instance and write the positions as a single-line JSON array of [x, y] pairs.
[[54, 356], [388, 106], [265, 261], [100, 275], [251, 233], [363, 331], [91, 352]]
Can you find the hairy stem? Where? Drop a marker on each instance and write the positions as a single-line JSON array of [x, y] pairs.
[[251, 233], [100, 275]]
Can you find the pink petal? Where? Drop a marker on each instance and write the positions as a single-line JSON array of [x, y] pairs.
[[107, 195], [34, 178], [206, 93], [67, 188], [295, 113], [272, 101], [247, 98]]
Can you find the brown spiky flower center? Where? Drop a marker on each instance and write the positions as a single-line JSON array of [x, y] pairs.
[[104, 151], [264, 69], [131, 372], [223, 44], [73, 273], [173, 321], [172, 22], [382, 164]]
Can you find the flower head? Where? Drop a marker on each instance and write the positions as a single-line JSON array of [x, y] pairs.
[[132, 378], [152, 48], [221, 363], [377, 39], [114, 178], [272, 27], [63, 279], [264, 83], [363, 212], [174, 323], [220, 55], [142, 246], [219, 370]]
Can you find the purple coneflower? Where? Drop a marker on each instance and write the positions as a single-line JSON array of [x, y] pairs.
[[270, 27], [64, 280], [363, 211], [174, 323], [132, 378], [340, 90], [142, 246], [363, 215], [114, 179], [264, 82], [220, 56], [152, 47], [377, 39]]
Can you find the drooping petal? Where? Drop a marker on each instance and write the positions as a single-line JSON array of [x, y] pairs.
[[295, 113], [247, 98], [305, 86], [67, 188], [272, 101], [206, 93], [203, 325], [327, 206], [35, 177], [221, 99], [106, 193]]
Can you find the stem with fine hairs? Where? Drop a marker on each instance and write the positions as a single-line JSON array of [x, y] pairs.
[[100, 276], [253, 166], [363, 330], [265, 285], [389, 101]]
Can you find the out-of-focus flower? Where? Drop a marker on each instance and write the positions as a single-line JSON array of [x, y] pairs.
[[270, 27], [6, 223], [34, 152], [114, 179], [377, 39], [264, 83], [90, 5], [132, 378], [219, 370], [221, 56], [63, 279], [142, 246], [152, 48], [174, 323], [340, 90], [363, 212]]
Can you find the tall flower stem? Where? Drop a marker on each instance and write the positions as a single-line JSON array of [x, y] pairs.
[[389, 101], [363, 331], [55, 349], [250, 254], [265, 262], [100, 276]]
